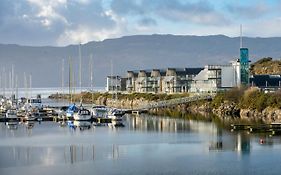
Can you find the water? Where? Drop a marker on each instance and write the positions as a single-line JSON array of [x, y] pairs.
[[45, 92], [145, 145]]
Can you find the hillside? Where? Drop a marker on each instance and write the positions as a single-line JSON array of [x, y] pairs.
[[130, 53], [266, 66]]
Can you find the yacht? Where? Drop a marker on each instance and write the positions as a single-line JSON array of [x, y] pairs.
[[32, 115], [62, 112], [104, 112], [115, 114], [11, 114], [35, 103], [99, 111], [82, 114]]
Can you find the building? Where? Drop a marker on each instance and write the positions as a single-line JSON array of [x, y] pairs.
[[170, 80], [266, 82], [210, 79], [115, 83], [244, 62], [217, 77]]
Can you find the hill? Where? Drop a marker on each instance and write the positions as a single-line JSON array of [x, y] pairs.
[[130, 53]]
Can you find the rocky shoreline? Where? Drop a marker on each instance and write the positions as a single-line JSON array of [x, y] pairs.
[[226, 111]]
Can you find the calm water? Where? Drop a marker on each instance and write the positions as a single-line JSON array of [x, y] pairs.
[[45, 92], [145, 145]]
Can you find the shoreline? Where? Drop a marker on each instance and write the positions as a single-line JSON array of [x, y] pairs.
[[222, 109]]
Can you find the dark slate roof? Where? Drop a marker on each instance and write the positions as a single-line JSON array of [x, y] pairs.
[[193, 71], [263, 81], [179, 71]]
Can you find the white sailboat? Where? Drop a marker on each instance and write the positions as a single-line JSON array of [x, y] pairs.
[[82, 113]]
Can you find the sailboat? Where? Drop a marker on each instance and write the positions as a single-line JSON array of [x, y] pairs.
[[82, 113], [72, 108]]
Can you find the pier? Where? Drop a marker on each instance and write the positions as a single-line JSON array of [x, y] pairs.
[[272, 129], [169, 103]]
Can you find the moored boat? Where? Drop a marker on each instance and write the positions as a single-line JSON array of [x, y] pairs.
[[11, 114], [82, 114]]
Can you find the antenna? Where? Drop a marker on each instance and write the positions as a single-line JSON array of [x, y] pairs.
[[241, 39]]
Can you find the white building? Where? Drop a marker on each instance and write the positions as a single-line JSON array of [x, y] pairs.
[[217, 77], [113, 83]]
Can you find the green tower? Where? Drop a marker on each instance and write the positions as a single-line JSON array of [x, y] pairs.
[[244, 63]]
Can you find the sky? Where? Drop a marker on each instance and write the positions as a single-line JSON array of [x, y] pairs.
[[65, 22]]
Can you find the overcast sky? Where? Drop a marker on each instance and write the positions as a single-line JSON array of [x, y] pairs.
[[63, 22]]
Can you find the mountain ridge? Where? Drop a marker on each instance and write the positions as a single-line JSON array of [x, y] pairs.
[[131, 53]]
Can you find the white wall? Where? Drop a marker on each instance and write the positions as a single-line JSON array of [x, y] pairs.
[[228, 76]]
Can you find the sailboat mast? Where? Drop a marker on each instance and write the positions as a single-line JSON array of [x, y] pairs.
[[17, 88], [25, 85], [1, 80], [70, 79], [5, 81], [12, 80], [62, 77], [10, 83], [91, 76], [111, 79], [30, 85], [80, 68]]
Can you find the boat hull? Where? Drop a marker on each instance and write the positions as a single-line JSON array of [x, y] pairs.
[[82, 117]]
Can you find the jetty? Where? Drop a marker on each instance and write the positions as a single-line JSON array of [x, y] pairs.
[[272, 128]]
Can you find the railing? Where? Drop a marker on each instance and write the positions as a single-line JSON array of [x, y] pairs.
[[176, 101]]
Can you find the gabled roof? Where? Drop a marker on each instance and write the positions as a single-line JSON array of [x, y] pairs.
[[203, 75]]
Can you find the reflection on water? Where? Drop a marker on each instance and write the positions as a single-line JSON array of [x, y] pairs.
[[240, 142], [26, 156], [141, 141]]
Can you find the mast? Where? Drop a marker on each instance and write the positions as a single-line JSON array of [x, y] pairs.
[[80, 68], [62, 77], [12, 81], [4, 81], [25, 85], [241, 39], [70, 79], [30, 85], [111, 79], [1, 81], [91, 76], [17, 89]]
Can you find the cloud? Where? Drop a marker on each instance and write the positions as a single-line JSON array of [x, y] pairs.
[[200, 12], [126, 7], [266, 28], [253, 11], [147, 22], [56, 22], [63, 22]]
